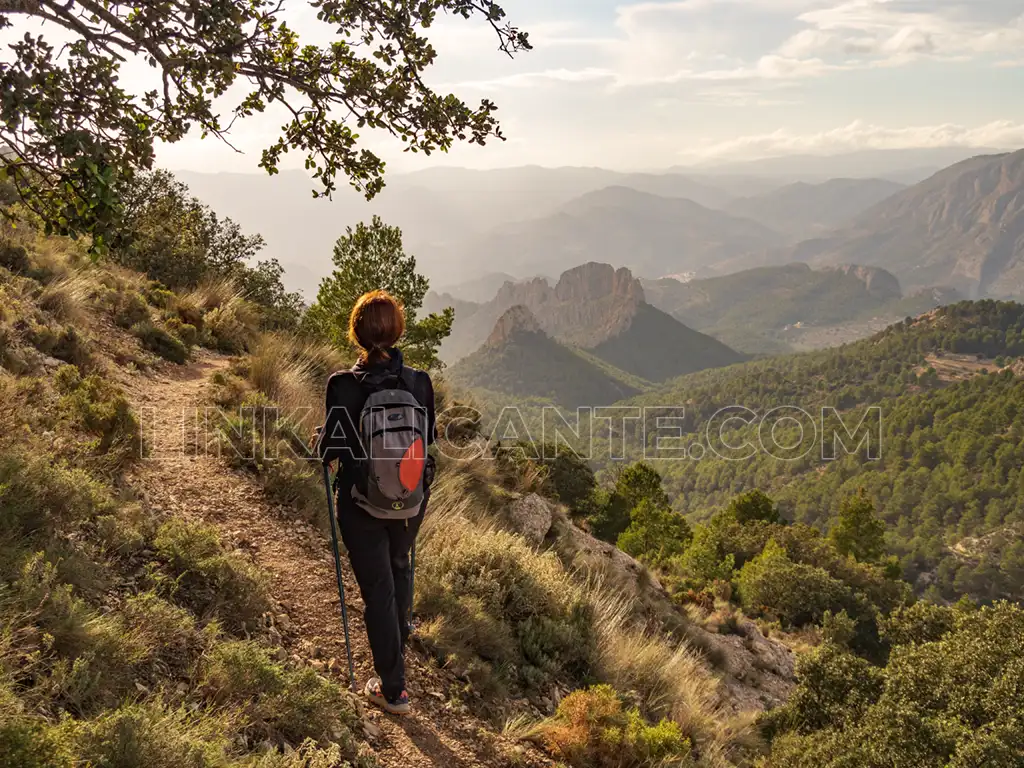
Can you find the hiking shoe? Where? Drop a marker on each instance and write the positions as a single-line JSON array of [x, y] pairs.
[[399, 706]]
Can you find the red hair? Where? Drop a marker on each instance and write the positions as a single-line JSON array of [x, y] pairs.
[[376, 323]]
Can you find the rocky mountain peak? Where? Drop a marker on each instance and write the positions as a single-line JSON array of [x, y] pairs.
[[593, 281], [515, 320], [879, 282]]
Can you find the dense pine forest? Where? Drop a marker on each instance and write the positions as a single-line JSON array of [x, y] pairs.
[[948, 468]]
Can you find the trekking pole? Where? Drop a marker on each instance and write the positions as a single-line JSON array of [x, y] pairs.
[[412, 580], [337, 571]]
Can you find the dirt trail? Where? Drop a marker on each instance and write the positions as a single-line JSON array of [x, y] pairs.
[[181, 481]]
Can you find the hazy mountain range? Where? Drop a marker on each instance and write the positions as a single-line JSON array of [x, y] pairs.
[[963, 228], [594, 309], [958, 226]]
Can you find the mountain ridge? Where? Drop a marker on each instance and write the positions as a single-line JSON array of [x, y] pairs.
[[962, 228]]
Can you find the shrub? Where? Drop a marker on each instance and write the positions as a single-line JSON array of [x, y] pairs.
[[151, 736], [707, 559], [158, 341], [186, 332], [278, 703], [189, 312], [836, 687], [63, 343], [210, 581], [487, 595], [168, 634], [97, 406], [159, 295], [232, 327], [796, 593], [921, 622], [126, 307], [81, 660], [956, 701], [40, 497], [14, 257], [26, 741], [591, 729]]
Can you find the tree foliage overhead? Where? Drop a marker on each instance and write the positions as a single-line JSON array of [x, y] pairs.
[[72, 130]]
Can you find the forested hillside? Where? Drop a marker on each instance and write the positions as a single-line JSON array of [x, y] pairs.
[[767, 309], [952, 425], [520, 361]]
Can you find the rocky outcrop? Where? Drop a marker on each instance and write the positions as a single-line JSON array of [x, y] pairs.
[[877, 281], [589, 305], [517, 319], [597, 282], [531, 516], [756, 671]]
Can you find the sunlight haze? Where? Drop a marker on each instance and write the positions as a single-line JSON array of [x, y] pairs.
[[654, 84]]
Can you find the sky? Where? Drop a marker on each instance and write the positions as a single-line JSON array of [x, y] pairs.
[[654, 84]]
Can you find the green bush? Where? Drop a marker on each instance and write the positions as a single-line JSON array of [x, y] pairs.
[[796, 593], [954, 702], [159, 295], [41, 497], [569, 479], [655, 534], [97, 406], [61, 342], [125, 306], [151, 736], [836, 688], [591, 729], [213, 583], [160, 342], [232, 327], [921, 622], [25, 741], [167, 635], [278, 703], [78, 659], [186, 332]]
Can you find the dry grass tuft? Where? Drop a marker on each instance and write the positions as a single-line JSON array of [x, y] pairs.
[[665, 678], [214, 294], [69, 297]]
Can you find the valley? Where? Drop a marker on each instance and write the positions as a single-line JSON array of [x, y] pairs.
[[468, 384]]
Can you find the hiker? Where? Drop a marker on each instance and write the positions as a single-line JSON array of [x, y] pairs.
[[382, 493]]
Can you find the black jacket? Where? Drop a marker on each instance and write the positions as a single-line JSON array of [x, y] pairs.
[[346, 396]]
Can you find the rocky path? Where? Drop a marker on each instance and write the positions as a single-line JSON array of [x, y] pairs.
[[194, 484]]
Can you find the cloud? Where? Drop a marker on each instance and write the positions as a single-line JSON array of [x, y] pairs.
[[862, 135], [666, 44], [909, 27]]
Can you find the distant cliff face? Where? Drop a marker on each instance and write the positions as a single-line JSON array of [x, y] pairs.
[[878, 282], [590, 304], [516, 320]]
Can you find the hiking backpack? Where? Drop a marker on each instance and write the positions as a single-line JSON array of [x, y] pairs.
[[393, 433]]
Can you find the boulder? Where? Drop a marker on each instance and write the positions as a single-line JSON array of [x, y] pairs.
[[531, 516]]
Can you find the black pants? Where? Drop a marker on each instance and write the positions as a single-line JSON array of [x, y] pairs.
[[379, 553]]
